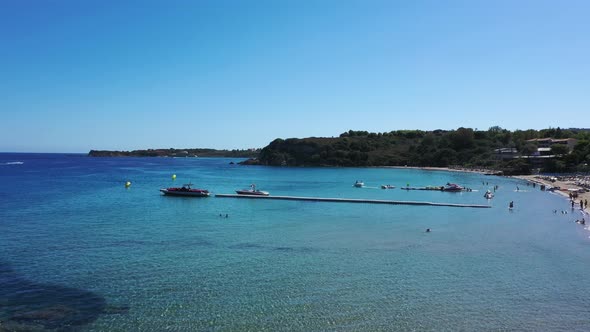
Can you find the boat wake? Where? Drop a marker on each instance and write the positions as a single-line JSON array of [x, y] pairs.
[[13, 163]]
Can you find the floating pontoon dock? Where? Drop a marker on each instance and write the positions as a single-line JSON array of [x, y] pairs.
[[350, 200]]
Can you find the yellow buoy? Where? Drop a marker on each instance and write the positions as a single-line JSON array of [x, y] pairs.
[[127, 184], [173, 176]]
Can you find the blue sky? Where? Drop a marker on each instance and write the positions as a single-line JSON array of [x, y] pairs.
[[121, 75]]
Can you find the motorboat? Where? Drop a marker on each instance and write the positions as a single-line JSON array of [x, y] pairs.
[[387, 186], [359, 184], [185, 190], [252, 191], [488, 195], [453, 187]]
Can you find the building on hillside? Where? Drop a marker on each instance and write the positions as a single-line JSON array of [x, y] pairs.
[[542, 152], [543, 143], [506, 153]]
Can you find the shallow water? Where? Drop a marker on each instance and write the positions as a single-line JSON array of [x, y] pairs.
[[170, 263]]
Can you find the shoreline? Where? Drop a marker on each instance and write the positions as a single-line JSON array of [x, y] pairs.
[[443, 169], [563, 184]]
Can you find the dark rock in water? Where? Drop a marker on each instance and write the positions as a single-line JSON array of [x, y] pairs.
[[231, 163], [30, 306], [251, 161]]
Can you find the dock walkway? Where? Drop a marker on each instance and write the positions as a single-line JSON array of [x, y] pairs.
[[351, 200]]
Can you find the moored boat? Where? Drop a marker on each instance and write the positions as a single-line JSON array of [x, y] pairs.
[[359, 184], [185, 190], [252, 191], [453, 187], [387, 186]]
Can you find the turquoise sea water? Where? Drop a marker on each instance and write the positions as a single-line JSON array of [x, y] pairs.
[[79, 251]]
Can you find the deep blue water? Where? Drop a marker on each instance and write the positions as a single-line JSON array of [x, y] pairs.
[[79, 251]]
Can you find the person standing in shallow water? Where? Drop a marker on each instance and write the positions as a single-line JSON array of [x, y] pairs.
[[511, 205]]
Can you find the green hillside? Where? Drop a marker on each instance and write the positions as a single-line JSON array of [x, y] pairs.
[[441, 148]]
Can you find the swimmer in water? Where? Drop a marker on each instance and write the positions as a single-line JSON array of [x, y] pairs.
[[428, 230]]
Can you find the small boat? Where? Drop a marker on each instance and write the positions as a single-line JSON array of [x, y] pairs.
[[359, 184], [387, 186], [252, 191], [185, 190], [453, 187], [488, 195]]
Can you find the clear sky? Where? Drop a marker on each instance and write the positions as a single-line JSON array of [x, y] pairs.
[[120, 75]]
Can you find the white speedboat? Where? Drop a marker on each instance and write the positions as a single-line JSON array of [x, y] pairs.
[[252, 191]]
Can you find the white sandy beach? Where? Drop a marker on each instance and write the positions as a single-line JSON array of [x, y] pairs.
[[564, 183]]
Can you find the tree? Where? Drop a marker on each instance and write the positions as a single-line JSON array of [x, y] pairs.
[[495, 129], [462, 138], [559, 149], [529, 149]]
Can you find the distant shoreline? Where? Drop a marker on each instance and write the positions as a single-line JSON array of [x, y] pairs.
[[180, 153], [444, 169]]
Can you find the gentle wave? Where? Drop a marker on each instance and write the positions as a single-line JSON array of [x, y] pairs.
[[13, 163]]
